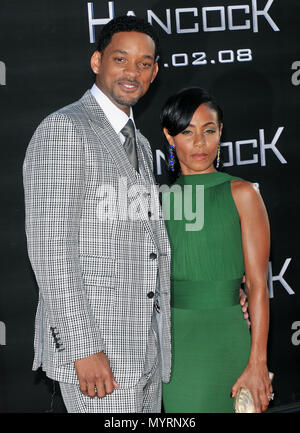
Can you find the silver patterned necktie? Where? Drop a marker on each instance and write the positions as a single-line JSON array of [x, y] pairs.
[[130, 143]]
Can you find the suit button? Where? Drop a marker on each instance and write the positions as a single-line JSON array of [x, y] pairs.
[[150, 295], [153, 256], [149, 214]]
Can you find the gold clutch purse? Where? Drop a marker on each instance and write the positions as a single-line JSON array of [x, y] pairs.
[[243, 402]]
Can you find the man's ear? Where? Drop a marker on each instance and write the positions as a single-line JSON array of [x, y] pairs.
[[95, 62], [155, 71]]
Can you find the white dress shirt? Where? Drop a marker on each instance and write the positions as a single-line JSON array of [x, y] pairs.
[[115, 116]]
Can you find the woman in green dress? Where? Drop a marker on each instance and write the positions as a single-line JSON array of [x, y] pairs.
[[213, 351]]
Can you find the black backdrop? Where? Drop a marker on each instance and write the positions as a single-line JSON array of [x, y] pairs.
[[246, 52]]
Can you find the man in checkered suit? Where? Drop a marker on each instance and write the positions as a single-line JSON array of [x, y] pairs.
[[103, 319]]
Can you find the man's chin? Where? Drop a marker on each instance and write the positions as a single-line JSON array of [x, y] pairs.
[[126, 101]]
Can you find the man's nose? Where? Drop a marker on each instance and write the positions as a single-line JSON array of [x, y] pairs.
[[132, 69]]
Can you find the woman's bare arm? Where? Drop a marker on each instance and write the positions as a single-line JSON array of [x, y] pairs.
[[256, 248]]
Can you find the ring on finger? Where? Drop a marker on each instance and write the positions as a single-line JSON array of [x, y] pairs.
[[271, 396]]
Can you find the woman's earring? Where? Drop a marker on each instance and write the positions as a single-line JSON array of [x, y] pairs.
[[172, 157], [218, 156]]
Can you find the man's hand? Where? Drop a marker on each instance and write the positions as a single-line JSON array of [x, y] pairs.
[[95, 375], [244, 304]]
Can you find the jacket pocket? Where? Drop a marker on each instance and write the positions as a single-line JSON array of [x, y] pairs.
[[98, 270]]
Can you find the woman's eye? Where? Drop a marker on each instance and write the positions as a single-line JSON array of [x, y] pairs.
[[210, 131], [186, 132]]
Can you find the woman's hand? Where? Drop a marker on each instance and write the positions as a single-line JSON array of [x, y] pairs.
[[255, 377], [244, 305]]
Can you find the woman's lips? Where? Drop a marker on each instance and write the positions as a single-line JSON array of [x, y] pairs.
[[199, 156]]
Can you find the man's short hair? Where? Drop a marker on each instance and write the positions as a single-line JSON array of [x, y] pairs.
[[127, 23]]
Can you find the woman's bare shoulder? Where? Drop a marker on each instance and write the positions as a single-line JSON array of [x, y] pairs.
[[245, 193]]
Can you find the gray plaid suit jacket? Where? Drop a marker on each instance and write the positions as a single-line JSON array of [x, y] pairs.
[[94, 274]]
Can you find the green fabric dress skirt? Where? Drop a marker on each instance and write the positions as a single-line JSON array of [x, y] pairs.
[[210, 338]]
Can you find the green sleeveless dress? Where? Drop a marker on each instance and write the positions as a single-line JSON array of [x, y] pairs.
[[210, 338]]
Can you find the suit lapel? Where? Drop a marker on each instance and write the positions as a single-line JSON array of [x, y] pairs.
[[111, 141]]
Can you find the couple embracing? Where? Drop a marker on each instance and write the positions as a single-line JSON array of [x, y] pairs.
[[126, 304]]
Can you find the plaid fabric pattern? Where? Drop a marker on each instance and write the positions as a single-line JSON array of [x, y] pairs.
[[93, 275], [144, 397]]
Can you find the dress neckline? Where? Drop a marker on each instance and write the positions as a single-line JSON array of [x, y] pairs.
[[207, 179]]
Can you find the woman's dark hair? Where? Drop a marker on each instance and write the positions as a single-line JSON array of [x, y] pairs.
[[126, 23], [179, 109]]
